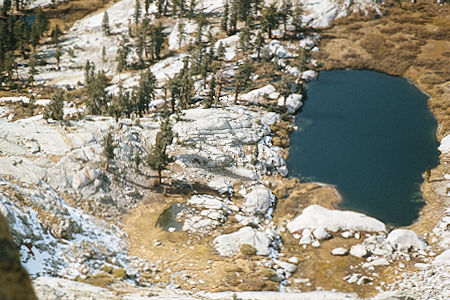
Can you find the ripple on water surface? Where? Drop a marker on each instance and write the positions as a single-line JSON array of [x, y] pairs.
[[370, 134]]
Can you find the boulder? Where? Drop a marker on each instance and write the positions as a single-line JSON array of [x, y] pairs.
[[270, 118], [229, 244], [293, 102], [321, 234], [405, 240], [258, 201], [443, 258], [359, 250], [339, 251], [315, 216], [306, 238]]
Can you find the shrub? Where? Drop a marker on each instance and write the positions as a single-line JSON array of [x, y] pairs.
[[248, 250]]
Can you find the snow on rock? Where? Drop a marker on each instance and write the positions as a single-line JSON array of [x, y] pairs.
[[315, 216], [404, 240], [87, 241], [277, 49], [229, 244]]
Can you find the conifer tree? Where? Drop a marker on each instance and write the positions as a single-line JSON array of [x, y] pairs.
[[137, 12], [146, 91], [244, 41], [270, 19], [55, 108], [58, 56], [105, 24], [297, 17], [55, 34], [211, 91], [301, 60], [103, 54], [32, 70], [243, 75], [121, 56], [6, 7], [285, 13], [259, 43], [157, 41], [41, 22], [147, 5], [284, 88], [157, 158], [221, 51], [108, 148], [97, 97], [224, 20], [191, 11], [180, 29]]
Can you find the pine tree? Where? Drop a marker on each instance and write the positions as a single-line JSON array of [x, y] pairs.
[[105, 24], [285, 13], [103, 54], [157, 41], [211, 91], [232, 26], [259, 43], [244, 41], [121, 56], [243, 75], [180, 29], [137, 12], [41, 22], [147, 5], [284, 88], [270, 19], [224, 20], [97, 97], [297, 17], [157, 158], [32, 70], [301, 60], [146, 91], [58, 56], [6, 7], [221, 51], [108, 148], [55, 34], [55, 109], [191, 11]]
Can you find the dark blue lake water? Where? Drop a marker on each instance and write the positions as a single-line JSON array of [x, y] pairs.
[[371, 135]]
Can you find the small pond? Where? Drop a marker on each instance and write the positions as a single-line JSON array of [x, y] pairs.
[[371, 135]]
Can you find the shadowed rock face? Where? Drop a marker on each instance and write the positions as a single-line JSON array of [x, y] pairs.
[[14, 280]]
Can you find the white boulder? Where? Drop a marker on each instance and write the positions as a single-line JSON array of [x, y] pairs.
[[339, 251], [358, 250], [229, 244], [293, 102], [404, 240], [258, 201], [315, 216], [321, 234], [443, 258]]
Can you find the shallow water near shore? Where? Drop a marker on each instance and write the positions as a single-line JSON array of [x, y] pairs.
[[370, 134]]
